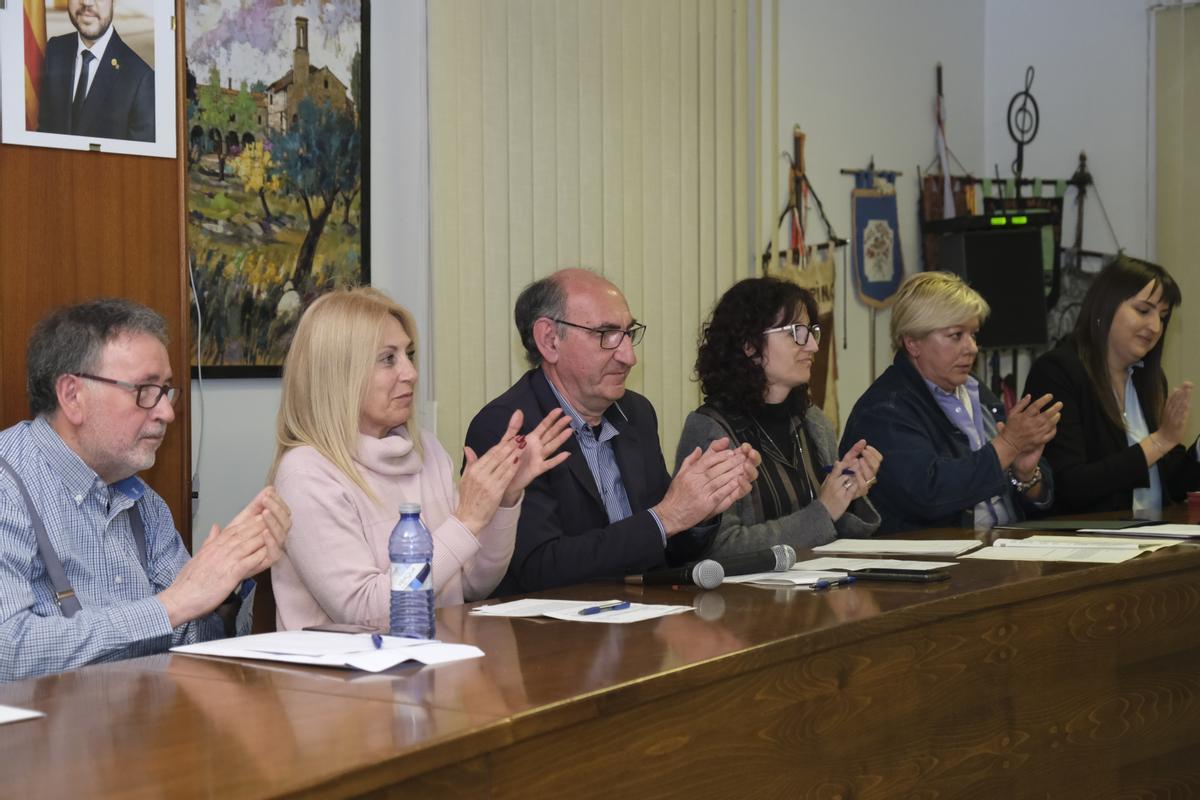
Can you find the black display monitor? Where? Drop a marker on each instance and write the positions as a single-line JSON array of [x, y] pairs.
[[1005, 266]]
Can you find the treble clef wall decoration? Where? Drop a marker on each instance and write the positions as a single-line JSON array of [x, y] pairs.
[[1022, 122]]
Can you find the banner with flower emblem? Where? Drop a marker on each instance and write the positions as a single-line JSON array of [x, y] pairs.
[[878, 263]]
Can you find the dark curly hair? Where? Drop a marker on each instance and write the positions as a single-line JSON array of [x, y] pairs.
[[728, 363]]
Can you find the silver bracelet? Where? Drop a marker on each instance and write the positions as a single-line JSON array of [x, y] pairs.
[[1025, 486]]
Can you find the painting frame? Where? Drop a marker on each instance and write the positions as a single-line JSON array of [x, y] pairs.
[[131, 101], [254, 264]]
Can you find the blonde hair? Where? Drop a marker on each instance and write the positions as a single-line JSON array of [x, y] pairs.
[[929, 301], [326, 375]]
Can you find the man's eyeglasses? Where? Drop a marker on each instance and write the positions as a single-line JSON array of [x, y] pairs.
[[610, 338], [148, 394], [799, 331]]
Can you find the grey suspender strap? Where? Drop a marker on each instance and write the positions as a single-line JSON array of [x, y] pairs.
[[64, 595]]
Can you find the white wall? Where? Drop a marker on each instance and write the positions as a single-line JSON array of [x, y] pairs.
[[1090, 64], [239, 415], [859, 78]]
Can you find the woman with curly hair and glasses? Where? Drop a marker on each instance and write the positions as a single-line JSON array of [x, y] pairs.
[[755, 360]]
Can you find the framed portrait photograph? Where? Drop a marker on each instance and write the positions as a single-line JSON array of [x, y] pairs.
[[89, 75], [277, 192]]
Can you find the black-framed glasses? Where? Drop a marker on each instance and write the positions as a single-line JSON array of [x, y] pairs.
[[148, 394], [611, 338], [799, 331]]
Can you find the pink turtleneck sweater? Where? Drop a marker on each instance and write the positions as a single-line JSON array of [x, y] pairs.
[[335, 564]]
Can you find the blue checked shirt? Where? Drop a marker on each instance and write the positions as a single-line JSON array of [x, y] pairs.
[[602, 463], [88, 524]]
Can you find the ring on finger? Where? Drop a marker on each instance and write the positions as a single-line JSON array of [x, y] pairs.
[[873, 481], [846, 484]]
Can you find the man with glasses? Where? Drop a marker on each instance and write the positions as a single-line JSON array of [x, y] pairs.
[[91, 566], [611, 509]]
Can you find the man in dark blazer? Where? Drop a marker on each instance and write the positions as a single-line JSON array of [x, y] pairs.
[[92, 83], [611, 509]]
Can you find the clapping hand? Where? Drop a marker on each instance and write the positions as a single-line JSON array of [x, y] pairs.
[[1175, 415], [707, 483], [850, 478], [484, 482], [536, 450], [1031, 424]]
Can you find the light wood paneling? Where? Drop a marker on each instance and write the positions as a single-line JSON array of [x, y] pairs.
[[1177, 120], [613, 135], [77, 225]]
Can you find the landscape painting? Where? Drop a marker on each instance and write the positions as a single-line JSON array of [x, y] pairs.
[[276, 158]]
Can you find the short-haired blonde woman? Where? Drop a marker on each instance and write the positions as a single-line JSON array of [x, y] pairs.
[[951, 459], [350, 452]]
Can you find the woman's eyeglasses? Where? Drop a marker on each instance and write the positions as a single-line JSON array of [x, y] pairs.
[[799, 331]]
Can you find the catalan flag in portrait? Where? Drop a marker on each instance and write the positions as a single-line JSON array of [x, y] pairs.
[[35, 50]]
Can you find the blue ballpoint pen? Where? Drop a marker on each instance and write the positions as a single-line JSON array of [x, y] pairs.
[[825, 583], [377, 640], [614, 605]]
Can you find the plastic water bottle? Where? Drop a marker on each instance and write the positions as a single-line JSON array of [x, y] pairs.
[[410, 549]]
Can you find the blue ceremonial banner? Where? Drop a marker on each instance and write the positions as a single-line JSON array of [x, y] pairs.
[[877, 261]]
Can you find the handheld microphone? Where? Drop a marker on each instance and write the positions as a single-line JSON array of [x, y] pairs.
[[778, 558], [706, 574]]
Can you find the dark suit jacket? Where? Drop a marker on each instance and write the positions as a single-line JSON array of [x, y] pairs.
[[564, 535], [930, 477], [1095, 467], [120, 103]]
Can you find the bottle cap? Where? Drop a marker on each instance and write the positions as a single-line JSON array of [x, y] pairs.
[[410, 508]]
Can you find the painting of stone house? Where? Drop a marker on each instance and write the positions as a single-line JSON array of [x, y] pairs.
[[270, 226]]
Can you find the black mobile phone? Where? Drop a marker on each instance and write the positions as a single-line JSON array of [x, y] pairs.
[[338, 627], [879, 574]]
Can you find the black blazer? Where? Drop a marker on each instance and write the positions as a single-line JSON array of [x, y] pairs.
[[120, 103], [1095, 467], [564, 536]]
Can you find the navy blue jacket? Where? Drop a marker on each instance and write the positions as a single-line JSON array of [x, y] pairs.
[[929, 476], [120, 102], [564, 536]]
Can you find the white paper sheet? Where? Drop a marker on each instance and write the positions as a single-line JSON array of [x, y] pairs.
[[1083, 555], [13, 714], [789, 578], [568, 610], [1110, 542], [851, 564], [900, 547], [1172, 530], [355, 651]]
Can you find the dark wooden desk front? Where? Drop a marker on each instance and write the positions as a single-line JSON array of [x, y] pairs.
[[1011, 680]]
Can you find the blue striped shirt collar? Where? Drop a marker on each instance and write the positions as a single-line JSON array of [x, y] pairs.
[[578, 423]]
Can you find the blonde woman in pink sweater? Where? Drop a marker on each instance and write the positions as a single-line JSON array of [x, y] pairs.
[[350, 452]]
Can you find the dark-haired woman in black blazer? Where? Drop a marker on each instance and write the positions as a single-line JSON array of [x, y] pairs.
[[1120, 441]]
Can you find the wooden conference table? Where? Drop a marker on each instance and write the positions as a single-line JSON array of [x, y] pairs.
[[1011, 679]]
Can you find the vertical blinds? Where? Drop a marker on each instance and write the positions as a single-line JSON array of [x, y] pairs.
[[611, 134], [1177, 122]]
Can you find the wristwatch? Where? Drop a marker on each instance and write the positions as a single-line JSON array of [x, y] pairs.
[[1025, 486]]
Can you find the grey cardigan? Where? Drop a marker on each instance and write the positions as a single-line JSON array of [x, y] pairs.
[[741, 530]]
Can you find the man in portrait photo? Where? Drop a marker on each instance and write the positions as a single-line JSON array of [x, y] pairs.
[[93, 84]]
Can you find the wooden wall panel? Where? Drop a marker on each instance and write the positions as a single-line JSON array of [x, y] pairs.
[[76, 225]]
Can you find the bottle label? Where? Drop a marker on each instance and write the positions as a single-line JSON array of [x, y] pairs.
[[413, 577]]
